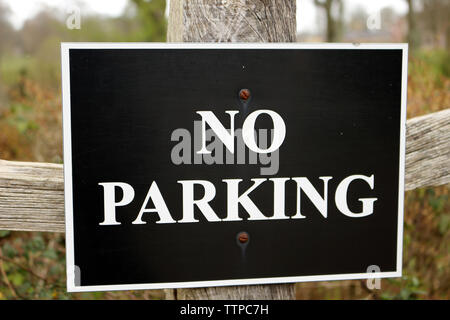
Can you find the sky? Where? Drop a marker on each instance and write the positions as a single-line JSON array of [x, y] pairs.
[[306, 10]]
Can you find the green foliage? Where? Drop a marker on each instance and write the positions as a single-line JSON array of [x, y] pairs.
[[444, 223], [12, 68], [425, 247], [151, 16], [428, 82], [4, 233], [34, 265], [8, 250], [411, 289], [436, 62], [19, 118]]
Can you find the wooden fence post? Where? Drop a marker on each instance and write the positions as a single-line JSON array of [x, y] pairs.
[[233, 21]]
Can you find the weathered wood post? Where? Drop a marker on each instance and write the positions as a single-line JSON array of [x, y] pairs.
[[233, 21]]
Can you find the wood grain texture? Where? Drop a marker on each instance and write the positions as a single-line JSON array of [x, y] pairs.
[[256, 292], [31, 196], [428, 150], [232, 21]]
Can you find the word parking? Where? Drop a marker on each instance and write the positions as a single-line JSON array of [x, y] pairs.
[[234, 198]]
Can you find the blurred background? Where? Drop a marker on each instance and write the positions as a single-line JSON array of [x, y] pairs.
[[32, 265]]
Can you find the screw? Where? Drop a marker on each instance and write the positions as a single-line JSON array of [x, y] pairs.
[[244, 94], [243, 237]]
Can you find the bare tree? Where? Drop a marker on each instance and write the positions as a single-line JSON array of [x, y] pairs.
[[334, 10], [413, 37], [6, 30], [7, 38], [434, 20]]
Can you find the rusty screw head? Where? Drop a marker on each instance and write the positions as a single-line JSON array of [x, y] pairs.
[[244, 94], [243, 237]]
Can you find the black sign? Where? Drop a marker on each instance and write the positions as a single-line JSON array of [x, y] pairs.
[[206, 165]]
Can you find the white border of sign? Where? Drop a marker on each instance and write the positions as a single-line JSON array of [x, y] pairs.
[[65, 47]]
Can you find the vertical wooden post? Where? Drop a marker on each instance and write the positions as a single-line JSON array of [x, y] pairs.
[[233, 21]]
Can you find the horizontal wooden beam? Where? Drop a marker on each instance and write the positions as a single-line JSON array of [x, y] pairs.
[[32, 194], [428, 150]]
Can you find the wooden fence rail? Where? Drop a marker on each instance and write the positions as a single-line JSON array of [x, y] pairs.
[[32, 194]]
